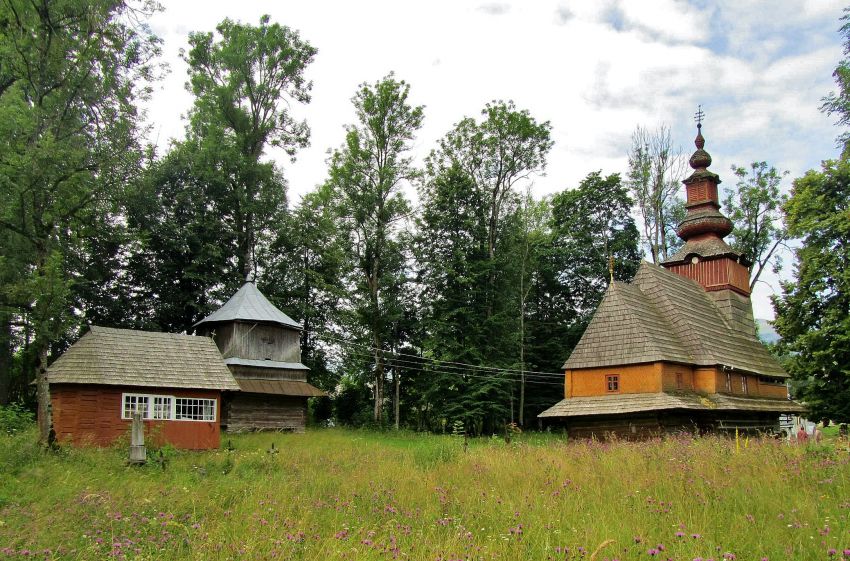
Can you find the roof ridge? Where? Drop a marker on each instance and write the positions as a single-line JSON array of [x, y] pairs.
[[105, 329]]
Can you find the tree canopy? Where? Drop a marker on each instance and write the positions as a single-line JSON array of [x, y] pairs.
[[367, 174], [813, 311], [755, 207], [71, 76]]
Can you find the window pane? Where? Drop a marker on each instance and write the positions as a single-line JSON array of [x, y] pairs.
[[191, 409], [133, 403], [162, 407]]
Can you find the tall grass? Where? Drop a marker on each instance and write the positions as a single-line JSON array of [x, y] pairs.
[[342, 494]]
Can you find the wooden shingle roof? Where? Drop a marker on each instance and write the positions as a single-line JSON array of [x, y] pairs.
[[640, 402], [249, 304], [279, 387], [142, 358], [626, 329], [662, 316]]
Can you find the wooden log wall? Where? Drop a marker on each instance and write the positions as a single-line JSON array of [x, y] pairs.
[[642, 426], [256, 341], [256, 412]]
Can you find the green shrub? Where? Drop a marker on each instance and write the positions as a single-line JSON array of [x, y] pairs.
[[15, 418]]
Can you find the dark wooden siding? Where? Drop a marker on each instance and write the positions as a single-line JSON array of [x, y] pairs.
[[250, 412], [640, 426], [91, 415], [258, 341]]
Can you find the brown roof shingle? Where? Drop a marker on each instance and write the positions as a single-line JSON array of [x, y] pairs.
[[279, 387], [662, 316], [128, 357]]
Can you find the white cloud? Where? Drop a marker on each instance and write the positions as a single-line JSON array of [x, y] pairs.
[[667, 20]]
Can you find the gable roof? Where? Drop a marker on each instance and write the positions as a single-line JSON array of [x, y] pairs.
[[662, 316], [249, 304], [128, 357]]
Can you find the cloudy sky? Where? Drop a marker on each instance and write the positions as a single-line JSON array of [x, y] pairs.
[[595, 69]]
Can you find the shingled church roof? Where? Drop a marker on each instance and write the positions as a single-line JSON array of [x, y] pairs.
[[128, 357], [662, 316], [249, 304]]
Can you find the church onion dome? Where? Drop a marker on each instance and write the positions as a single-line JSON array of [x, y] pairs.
[[700, 159], [704, 217]]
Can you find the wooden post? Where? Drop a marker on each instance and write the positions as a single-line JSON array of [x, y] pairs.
[[138, 455]]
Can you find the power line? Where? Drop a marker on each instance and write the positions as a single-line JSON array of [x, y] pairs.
[[362, 351], [408, 363], [339, 340]]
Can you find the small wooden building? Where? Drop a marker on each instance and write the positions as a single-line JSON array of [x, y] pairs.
[[175, 381], [261, 346], [677, 347]]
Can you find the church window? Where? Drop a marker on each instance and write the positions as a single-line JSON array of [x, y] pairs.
[[613, 383]]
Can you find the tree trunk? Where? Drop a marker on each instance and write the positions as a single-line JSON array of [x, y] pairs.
[[45, 421], [521, 381], [5, 357], [379, 382], [522, 351], [397, 383]]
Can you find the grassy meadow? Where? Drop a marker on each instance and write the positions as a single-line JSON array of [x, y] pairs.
[[345, 494]]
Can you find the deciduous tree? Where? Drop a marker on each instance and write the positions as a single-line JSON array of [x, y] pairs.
[[70, 75], [838, 103], [245, 79], [368, 173], [656, 169], [506, 147], [813, 312], [755, 208]]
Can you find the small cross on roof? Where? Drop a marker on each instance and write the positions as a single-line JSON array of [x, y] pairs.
[[699, 116]]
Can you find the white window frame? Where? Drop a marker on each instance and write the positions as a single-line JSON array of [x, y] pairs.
[[204, 405], [128, 414], [166, 407]]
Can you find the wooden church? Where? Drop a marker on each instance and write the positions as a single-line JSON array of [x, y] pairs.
[[261, 346], [676, 349]]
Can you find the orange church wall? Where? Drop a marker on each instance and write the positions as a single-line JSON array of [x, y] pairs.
[[773, 390], [705, 380], [656, 377], [670, 376], [752, 386], [635, 378]]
